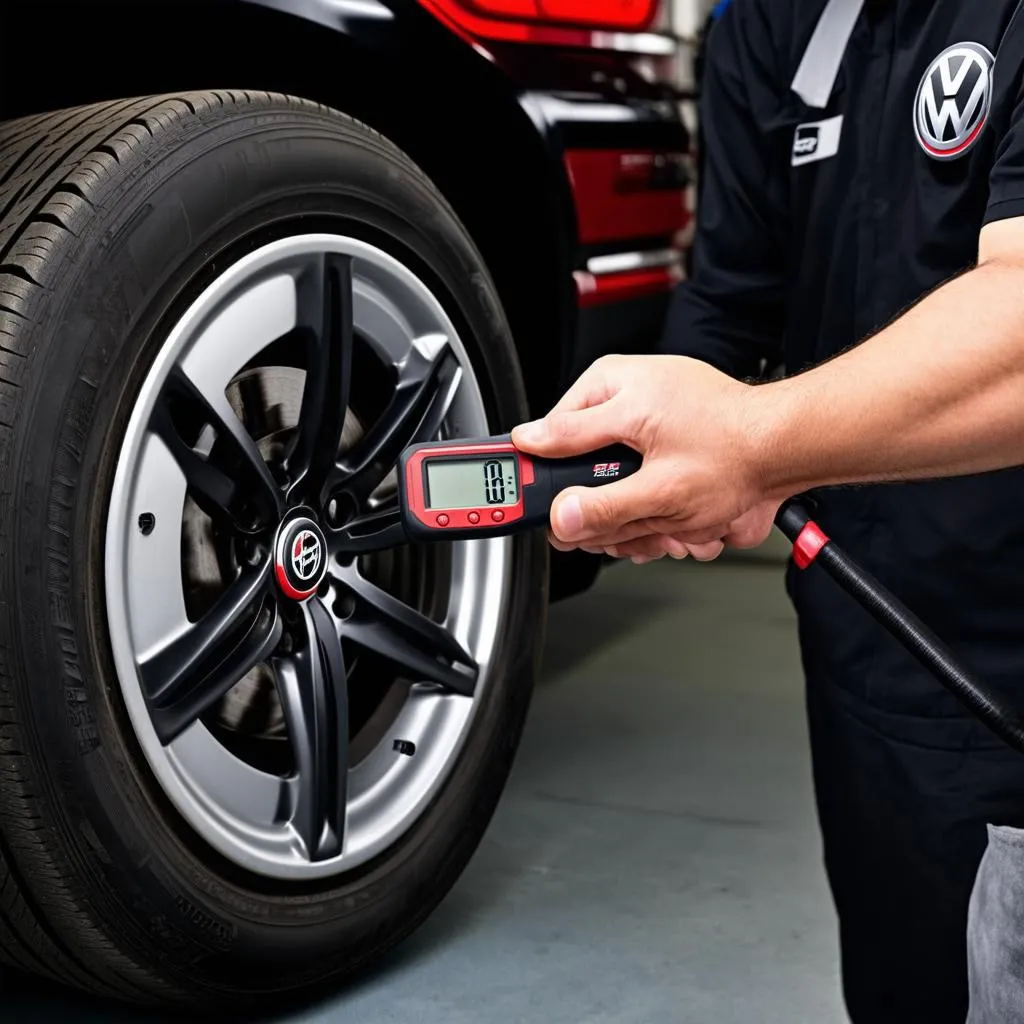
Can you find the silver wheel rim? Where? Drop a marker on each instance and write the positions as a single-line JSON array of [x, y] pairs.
[[259, 820]]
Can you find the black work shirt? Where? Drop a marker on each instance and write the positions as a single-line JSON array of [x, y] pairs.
[[808, 241]]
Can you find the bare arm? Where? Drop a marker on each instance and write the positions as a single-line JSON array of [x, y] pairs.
[[938, 393]]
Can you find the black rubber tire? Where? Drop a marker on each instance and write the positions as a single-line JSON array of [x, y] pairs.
[[573, 573], [112, 217]]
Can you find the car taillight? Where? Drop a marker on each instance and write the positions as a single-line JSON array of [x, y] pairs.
[[600, 24], [621, 195], [633, 217], [622, 15]]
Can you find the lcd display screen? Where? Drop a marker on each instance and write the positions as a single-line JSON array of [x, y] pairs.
[[472, 483]]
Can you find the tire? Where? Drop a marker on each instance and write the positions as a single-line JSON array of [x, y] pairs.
[[115, 218], [573, 573]]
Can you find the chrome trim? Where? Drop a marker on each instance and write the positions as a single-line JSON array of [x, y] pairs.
[[569, 111], [619, 262], [650, 44], [547, 109], [332, 14]]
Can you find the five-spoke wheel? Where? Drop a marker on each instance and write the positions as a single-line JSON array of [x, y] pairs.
[[285, 516]]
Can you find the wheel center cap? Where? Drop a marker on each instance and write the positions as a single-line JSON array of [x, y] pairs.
[[300, 558]]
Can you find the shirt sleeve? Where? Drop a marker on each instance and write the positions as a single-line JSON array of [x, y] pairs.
[[1006, 179], [731, 312]]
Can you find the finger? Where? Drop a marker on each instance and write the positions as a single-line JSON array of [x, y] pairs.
[[656, 526], [593, 387], [675, 548], [559, 545], [690, 537], [644, 559], [643, 547], [651, 546], [585, 513], [674, 541], [653, 554], [706, 552], [631, 531], [575, 431], [597, 384], [591, 549]]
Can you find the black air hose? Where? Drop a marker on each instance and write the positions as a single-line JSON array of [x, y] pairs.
[[812, 546]]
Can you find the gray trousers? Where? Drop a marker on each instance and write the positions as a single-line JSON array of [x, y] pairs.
[[995, 931]]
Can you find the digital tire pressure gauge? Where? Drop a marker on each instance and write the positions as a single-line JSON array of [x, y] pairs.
[[457, 490]]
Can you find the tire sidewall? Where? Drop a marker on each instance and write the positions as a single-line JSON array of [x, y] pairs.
[[204, 193]]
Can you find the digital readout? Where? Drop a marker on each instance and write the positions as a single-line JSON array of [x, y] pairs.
[[472, 483]]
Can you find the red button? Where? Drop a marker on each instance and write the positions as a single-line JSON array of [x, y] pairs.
[[442, 520], [474, 517], [497, 515]]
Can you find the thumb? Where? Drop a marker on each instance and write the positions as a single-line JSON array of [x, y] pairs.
[[580, 513], [572, 432]]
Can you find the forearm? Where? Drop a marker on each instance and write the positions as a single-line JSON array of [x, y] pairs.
[[938, 393]]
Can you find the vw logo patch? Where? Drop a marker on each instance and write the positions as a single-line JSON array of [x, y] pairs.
[[300, 558], [953, 101]]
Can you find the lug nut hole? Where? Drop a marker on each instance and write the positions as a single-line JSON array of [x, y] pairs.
[[252, 553], [147, 523], [345, 606], [340, 510]]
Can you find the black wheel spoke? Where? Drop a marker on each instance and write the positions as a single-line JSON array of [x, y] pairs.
[[232, 481], [325, 311], [376, 531], [423, 395], [421, 649], [183, 679], [313, 690]]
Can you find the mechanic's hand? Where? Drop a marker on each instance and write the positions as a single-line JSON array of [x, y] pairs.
[[699, 486]]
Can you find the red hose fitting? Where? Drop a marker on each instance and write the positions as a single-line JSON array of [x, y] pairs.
[[808, 545]]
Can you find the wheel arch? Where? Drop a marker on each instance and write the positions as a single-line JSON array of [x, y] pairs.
[[448, 107]]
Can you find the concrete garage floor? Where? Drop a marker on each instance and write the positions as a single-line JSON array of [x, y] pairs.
[[655, 858]]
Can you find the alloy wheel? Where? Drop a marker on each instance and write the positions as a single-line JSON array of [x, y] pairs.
[[293, 520]]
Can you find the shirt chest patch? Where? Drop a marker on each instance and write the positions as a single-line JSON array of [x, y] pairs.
[[816, 140], [954, 100]]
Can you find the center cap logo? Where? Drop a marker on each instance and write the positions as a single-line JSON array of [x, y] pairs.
[[300, 558], [306, 555], [954, 100]]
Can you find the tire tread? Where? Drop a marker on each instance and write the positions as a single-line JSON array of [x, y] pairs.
[[53, 169]]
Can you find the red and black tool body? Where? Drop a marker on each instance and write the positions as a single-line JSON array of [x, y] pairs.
[[480, 487], [811, 546]]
